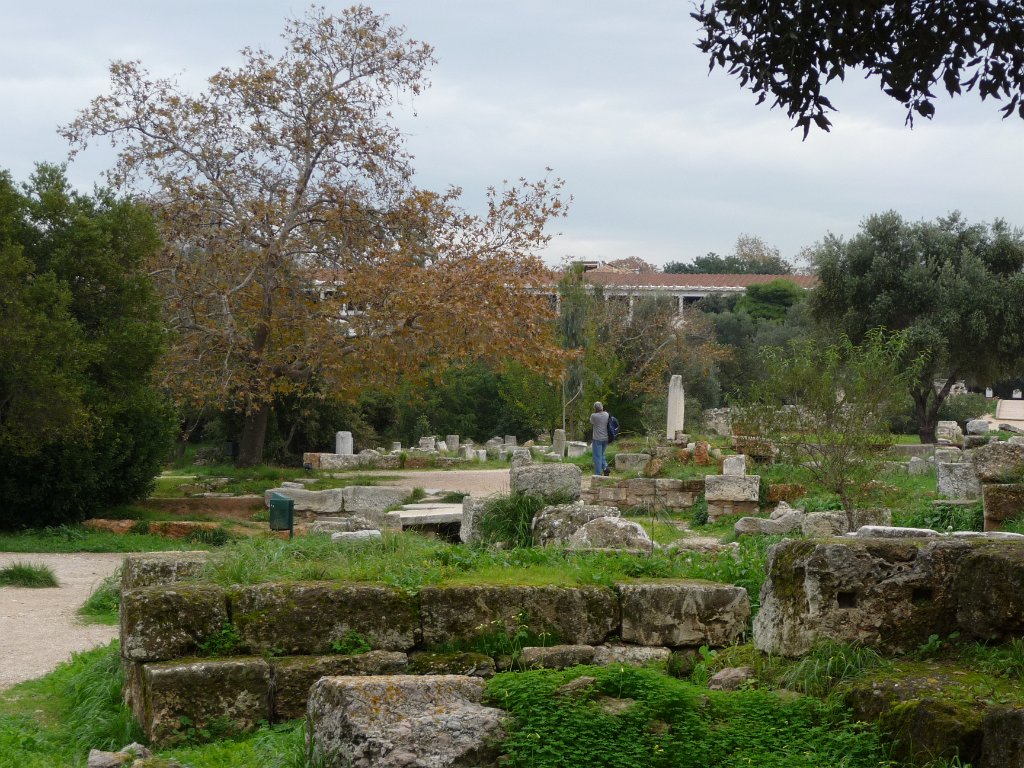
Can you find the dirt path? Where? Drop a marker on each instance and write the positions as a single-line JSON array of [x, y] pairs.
[[478, 482], [38, 627]]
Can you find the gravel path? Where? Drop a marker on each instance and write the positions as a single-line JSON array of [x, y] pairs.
[[38, 627]]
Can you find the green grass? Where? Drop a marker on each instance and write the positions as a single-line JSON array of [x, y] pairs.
[[54, 721], [75, 538], [102, 605], [27, 575], [662, 722]]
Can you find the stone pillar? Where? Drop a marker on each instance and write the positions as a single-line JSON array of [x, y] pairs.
[[452, 441], [343, 443], [676, 407], [558, 443], [510, 441], [396, 447]]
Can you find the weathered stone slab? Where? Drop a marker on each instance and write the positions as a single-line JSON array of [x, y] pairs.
[[168, 622], [434, 721], [345, 537], [883, 593], [546, 480], [611, 533], [894, 532], [1002, 503], [990, 591], [229, 693], [947, 455], [148, 569], [978, 427], [556, 656], [734, 465], [636, 655], [673, 613], [372, 500], [762, 526], [631, 462], [469, 528], [308, 618], [329, 502], [999, 462], [958, 481], [554, 526], [732, 487], [821, 525], [295, 675], [575, 615], [458, 663]]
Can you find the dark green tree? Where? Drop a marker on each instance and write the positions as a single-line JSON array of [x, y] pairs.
[[751, 256], [81, 427], [788, 51], [956, 289], [771, 301]]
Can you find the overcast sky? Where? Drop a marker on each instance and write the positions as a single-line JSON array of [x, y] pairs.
[[664, 161]]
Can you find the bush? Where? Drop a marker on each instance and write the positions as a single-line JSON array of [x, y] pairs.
[[963, 408], [508, 519]]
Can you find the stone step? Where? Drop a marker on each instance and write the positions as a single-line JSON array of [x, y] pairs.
[[430, 514]]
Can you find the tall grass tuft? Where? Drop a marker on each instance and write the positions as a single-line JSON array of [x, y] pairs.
[[102, 605], [509, 519], [829, 664], [27, 575]]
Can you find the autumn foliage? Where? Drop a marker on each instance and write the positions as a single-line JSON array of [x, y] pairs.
[[298, 255]]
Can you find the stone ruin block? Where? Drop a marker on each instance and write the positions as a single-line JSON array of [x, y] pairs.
[[891, 594], [958, 481], [734, 465], [430, 720], [167, 622], [683, 613], [554, 526], [294, 676], [731, 495], [1002, 502], [631, 462], [149, 569], [309, 617], [575, 615], [231, 694], [999, 462], [546, 480]]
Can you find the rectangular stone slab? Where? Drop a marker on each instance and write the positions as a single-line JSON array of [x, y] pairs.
[[295, 675], [575, 615], [683, 613], [168, 622], [229, 695], [308, 617]]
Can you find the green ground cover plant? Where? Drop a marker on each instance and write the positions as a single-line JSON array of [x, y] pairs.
[[103, 604], [641, 718], [75, 538], [27, 575]]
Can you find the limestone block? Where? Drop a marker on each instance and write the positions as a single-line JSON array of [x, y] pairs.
[[611, 533], [372, 500], [469, 528], [676, 411], [672, 613], [787, 523], [667, 485], [307, 618], [369, 534], [883, 593], [1002, 503], [820, 525], [428, 443], [340, 461], [894, 532], [575, 449], [148, 569], [631, 462], [556, 656], [167, 622], [554, 526], [458, 663], [510, 441], [998, 462], [613, 495], [917, 467], [947, 455], [387, 722], [872, 516], [718, 421], [452, 443], [949, 431], [558, 443], [295, 675], [719, 509], [978, 427], [575, 615], [636, 655], [957, 481], [232, 692], [731, 487], [734, 465], [343, 445], [976, 441], [329, 502], [546, 480]]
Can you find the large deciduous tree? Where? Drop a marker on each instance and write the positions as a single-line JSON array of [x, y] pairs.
[[955, 289], [298, 254], [788, 50], [751, 256]]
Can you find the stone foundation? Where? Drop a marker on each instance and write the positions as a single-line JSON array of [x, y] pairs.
[[653, 493]]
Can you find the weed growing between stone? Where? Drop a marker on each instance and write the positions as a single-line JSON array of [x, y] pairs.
[[27, 575], [509, 519], [640, 718], [102, 605]]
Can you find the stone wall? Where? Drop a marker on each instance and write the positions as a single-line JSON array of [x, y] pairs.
[[654, 493], [283, 637]]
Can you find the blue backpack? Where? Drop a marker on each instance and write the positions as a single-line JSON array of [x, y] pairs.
[[613, 428]]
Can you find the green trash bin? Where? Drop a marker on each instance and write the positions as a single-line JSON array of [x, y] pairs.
[[282, 514]]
